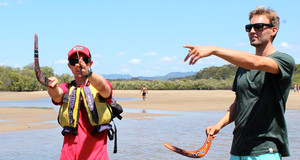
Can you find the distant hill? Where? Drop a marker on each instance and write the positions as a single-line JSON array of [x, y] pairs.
[[169, 75], [163, 78], [117, 76]]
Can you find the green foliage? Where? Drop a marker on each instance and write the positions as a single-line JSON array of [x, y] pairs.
[[296, 76], [16, 79], [180, 84], [219, 73]]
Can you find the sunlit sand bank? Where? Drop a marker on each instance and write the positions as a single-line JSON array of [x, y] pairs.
[[12, 119]]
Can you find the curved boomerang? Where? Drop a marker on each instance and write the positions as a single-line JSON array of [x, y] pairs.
[[39, 75], [192, 154]]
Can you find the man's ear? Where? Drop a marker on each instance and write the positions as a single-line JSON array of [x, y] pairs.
[[274, 31], [69, 65], [91, 63]]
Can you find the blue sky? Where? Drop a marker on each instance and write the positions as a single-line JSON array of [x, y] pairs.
[[137, 37]]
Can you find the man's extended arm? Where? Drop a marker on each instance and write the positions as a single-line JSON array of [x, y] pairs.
[[239, 58], [97, 81], [100, 84]]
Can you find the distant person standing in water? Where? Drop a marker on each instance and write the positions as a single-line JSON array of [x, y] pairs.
[[144, 92]]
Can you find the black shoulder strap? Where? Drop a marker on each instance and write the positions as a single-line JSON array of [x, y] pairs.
[[112, 135], [116, 109]]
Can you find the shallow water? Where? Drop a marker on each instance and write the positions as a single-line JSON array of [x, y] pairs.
[[44, 102], [143, 139]]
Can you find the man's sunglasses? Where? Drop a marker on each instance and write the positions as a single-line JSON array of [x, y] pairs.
[[74, 61], [257, 26]]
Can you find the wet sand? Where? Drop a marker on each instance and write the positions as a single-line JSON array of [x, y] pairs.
[[12, 119]]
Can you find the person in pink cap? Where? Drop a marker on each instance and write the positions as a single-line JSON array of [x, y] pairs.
[[85, 124]]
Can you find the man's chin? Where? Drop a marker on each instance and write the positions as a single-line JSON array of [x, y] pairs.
[[78, 75], [254, 44]]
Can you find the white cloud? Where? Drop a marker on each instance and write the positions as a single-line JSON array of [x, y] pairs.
[[5, 4], [241, 44], [134, 61], [168, 58], [61, 61], [150, 54], [121, 53], [285, 45], [96, 56]]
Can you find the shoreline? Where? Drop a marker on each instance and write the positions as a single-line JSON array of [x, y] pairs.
[[170, 100], [14, 118]]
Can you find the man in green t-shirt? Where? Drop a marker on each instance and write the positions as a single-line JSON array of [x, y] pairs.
[[261, 84]]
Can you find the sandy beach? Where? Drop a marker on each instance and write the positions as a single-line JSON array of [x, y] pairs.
[[13, 119]]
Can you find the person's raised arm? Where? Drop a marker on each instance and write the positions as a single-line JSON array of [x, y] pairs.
[[239, 58], [100, 84], [97, 81]]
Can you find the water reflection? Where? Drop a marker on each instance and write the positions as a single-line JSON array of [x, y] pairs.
[[143, 139], [45, 102]]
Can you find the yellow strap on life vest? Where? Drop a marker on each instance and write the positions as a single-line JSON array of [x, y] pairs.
[[102, 107], [69, 111]]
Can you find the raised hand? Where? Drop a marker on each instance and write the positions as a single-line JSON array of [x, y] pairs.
[[197, 52]]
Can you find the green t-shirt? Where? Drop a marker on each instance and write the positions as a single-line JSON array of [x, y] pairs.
[[260, 125]]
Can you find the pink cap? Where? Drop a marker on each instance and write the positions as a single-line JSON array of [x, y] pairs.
[[81, 49]]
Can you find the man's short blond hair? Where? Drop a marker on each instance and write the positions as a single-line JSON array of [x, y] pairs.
[[270, 13]]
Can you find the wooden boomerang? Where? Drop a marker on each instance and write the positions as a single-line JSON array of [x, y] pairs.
[[40, 77], [192, 154]]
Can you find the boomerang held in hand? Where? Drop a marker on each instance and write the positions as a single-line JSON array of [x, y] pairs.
[[192, 154], [39, 75]]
